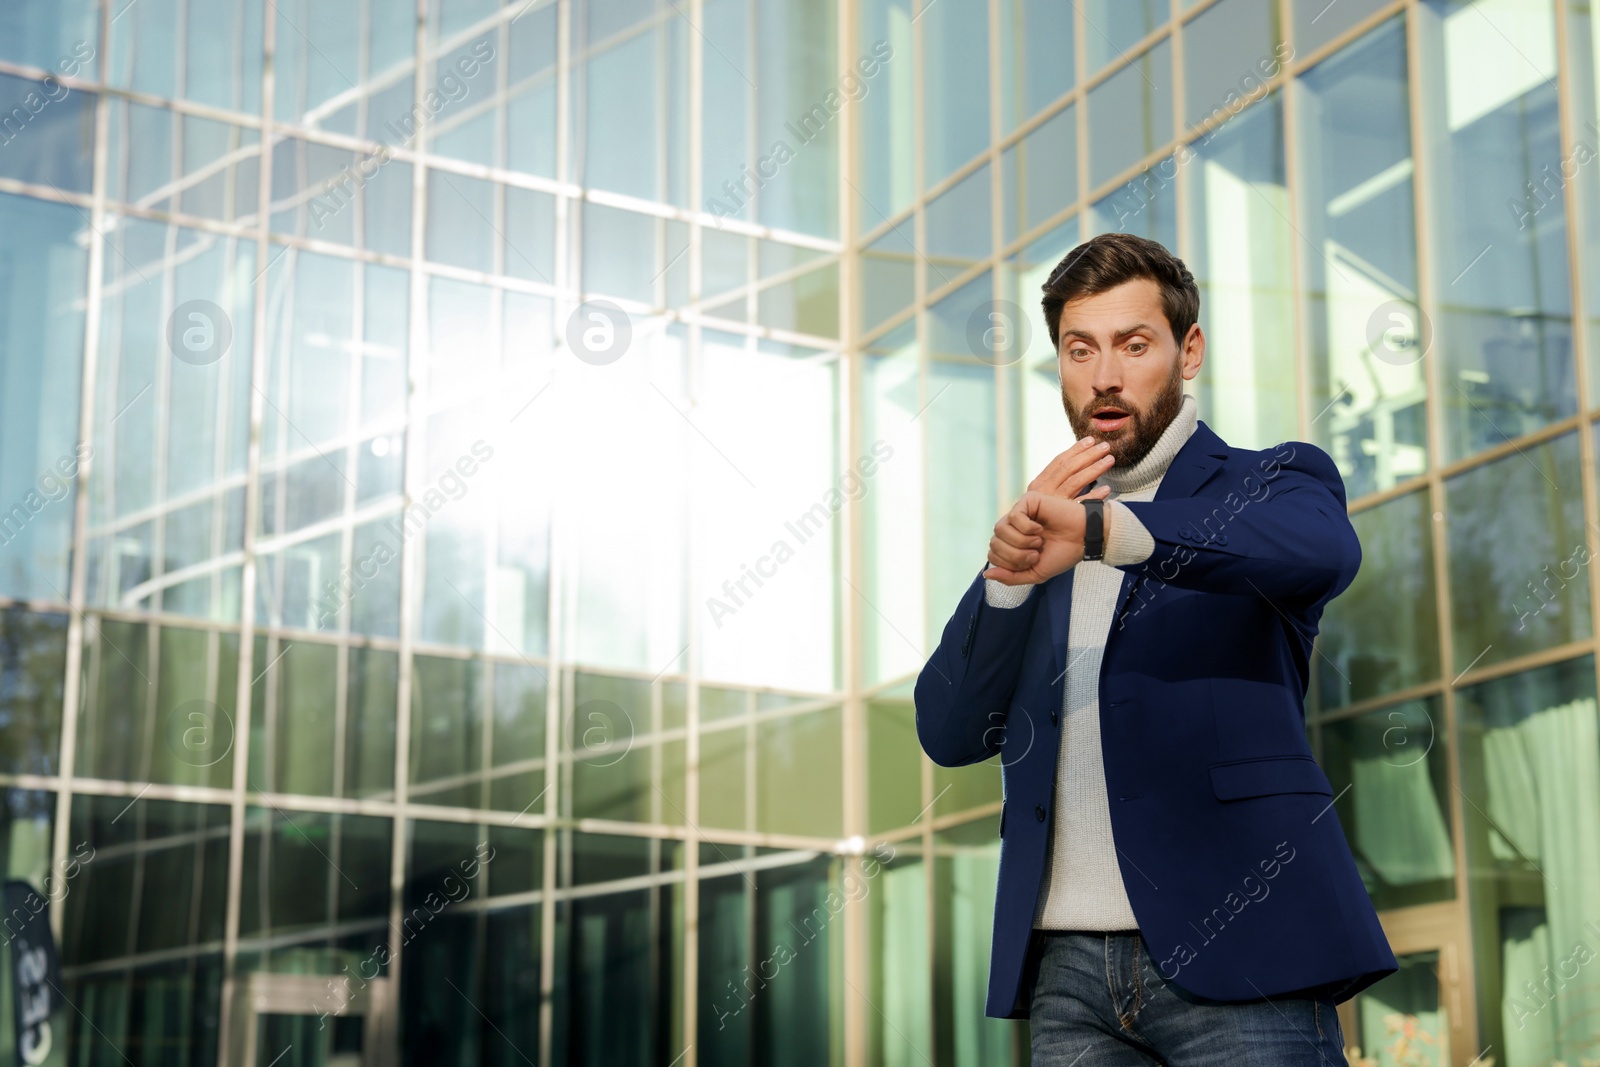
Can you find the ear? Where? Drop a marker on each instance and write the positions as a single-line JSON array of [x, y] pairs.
[[1194, 352]]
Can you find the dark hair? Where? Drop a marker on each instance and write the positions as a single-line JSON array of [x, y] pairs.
[[1105, 262]]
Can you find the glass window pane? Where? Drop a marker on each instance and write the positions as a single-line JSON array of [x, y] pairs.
[[959, 230], [1530, 764], [1037, 57], [1382, 633], [1231, 50], [1395, 811], [1039, 419], [1503, 328], [966, 870], [1146, 204], [335, 65], [955, 43], [33, 667], [894, 764], [893, 553], [797, 756], [62, 36], [1316, 22], [1041, 174], [888, 275], [962, 477], [887, 139], [43, 276], [1518, 555], [1240, 251], [47, 131], [1114, 26], [1583, 62], [899, 957], [1367, 389], [207, 53], [158, 703], [1130, 113]]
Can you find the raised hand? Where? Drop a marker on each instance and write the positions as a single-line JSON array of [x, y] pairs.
[[1068, 474], [1041, 536]]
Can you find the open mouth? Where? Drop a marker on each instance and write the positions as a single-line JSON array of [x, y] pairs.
[[1109, 420]]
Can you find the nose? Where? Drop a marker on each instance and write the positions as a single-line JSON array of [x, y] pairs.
[[1107, 375]]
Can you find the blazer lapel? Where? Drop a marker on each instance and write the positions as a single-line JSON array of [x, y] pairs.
[[1196, 462]]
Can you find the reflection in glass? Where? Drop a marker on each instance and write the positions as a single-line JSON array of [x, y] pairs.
[[966, 867], [955, 110], [1583, 61], [209, 53], [898, 956], [1036, 57], [345, 68], [1382, 633], [41, 347], [888, 275], [1519, 556], [314, 898], [1400, 1020], [886, 142], [893, 520], [962, 451], [1237, 46], [1504, 330], [894, 762], [1040, 174], [46, 133], [1130, 113], [1530, 762], [1239, 250], [1395, 813], [1114, 26], [1366, 343], [142, 950], [1146, 204], [33, 663], [959, 230], [158, 704]]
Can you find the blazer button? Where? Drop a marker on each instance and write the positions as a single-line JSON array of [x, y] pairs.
[[1053, 716], [1038, 812]]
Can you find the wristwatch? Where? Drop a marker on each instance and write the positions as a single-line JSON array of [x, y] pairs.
[[1094, 529]]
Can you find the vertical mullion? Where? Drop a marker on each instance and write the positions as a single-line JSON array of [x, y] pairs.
[[77, 582], [1463, 1013]]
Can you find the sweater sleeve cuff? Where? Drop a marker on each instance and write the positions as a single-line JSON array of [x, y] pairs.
[[1128, 540], [1000, 595]]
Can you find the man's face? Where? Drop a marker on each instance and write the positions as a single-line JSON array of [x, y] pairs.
[[1122, 371]]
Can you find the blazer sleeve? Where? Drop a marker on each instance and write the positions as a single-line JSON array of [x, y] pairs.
[[964, 691], [1282, 531]]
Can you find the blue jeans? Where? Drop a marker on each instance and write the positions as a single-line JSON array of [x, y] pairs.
[[1098, 1001]]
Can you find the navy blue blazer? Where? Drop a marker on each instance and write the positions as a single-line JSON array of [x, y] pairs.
[[1230, 850]]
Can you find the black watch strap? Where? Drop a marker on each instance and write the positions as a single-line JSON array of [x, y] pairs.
[[1094, 529]]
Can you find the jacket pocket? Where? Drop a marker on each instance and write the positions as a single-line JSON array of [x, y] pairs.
[[1268, 775]]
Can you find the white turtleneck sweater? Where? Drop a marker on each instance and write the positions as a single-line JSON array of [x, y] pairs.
[[1082, 888]]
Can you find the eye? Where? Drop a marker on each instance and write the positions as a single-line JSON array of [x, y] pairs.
[[1137, 348], [1078, 353]]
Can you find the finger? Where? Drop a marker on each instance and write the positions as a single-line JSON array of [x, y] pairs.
[[1064, 462], [1022, 521], [1008, 533], [1003, 555], [1071, 463], [1075, 483], [1098, 493]]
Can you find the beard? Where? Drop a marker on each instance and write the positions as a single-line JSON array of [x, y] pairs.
[[1132, 441]]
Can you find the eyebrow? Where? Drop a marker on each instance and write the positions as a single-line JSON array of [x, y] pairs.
[[1126, 331]]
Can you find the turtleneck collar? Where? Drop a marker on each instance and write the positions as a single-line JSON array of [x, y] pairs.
[[1149, 470]]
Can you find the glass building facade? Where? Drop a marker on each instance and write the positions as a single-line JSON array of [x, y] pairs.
[[478, 481]]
